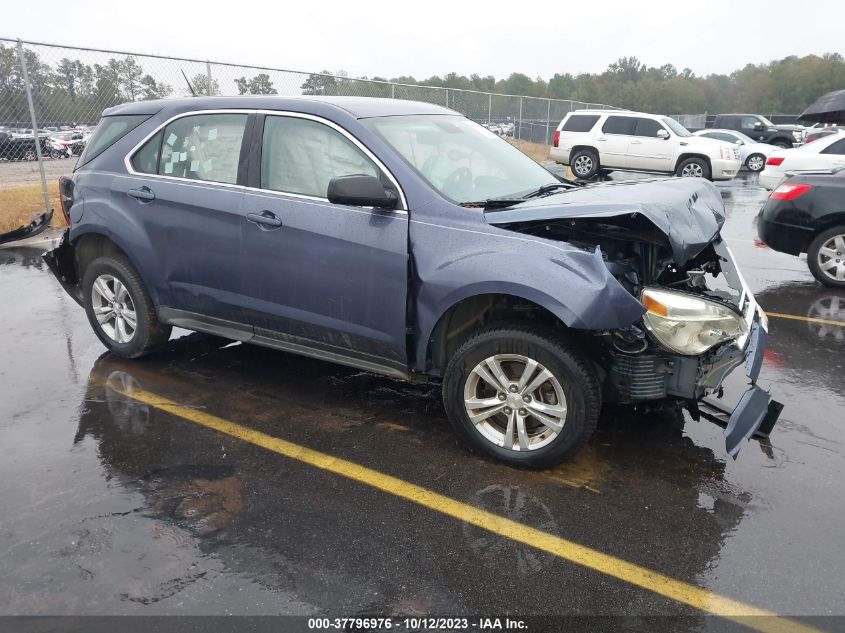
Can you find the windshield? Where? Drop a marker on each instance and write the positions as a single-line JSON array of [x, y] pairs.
[[748, 140], [676, 127], [459, 158], [766, 122]]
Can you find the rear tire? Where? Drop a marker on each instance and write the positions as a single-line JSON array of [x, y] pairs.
[[119, 308], [584, 163], [826, 257], [755, 163], [532, 420], [693, 168], [782, 144]]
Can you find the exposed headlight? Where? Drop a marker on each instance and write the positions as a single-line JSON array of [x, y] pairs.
[[725, 153], [797, 135], [689, 325]]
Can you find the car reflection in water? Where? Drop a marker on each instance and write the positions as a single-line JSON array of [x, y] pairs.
[[338, 546]]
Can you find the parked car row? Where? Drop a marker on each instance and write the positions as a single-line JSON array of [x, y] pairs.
[[59, 145], [502, 129], [828, 152]]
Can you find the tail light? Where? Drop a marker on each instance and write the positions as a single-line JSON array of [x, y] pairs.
[[790, 191], [556, 140], [774, 161], [66, 197]]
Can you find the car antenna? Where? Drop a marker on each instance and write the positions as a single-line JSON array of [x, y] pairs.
[[190, 87]]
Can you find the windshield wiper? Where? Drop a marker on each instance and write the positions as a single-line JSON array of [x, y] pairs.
[[493, 203], [542, 191]]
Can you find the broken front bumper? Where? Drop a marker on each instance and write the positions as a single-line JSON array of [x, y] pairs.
[[756, 412]]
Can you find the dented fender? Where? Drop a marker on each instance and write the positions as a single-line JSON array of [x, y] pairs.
[[573, 284]]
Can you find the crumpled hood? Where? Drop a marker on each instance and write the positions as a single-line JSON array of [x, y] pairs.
[[689, 211]]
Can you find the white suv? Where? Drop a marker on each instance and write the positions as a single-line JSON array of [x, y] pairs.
[[593, 140]]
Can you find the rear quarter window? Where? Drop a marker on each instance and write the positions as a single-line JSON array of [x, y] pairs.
[[580, 123], [110, 130]]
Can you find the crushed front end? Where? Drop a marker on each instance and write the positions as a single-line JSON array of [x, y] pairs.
[[661, 241]]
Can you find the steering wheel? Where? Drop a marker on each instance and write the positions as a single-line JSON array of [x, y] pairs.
[[460, 179]]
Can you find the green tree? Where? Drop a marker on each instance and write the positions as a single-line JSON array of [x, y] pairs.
[[202, 86], [320, 84], [152, 89], [258, 85]]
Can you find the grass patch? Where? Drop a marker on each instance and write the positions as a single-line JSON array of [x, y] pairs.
[[17, 204], [537, 151]]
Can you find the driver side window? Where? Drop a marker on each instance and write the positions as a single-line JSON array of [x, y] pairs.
[[301, 156], [748, 122]]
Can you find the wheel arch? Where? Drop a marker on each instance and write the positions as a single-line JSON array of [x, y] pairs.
[[92, 244], [687, 155], [475, 311]]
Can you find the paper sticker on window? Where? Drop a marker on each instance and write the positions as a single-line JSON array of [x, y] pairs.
[[206, 165], [212, 134], [197, 129], [171, 139], [183, 156], [168, 168], [195, 165]]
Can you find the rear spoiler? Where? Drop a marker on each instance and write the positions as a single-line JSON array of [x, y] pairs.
[[814, 172]]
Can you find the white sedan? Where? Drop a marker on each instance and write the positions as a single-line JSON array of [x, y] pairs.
[[824, 154], [752, 153]]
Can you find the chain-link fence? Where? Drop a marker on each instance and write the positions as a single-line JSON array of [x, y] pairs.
[[52, 96]]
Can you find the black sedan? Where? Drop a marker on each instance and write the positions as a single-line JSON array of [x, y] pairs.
[[806, 214]]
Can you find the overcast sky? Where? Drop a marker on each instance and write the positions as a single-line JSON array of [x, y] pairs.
[[402, 37]]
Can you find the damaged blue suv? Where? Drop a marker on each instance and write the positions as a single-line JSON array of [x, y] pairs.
[[404, 239]]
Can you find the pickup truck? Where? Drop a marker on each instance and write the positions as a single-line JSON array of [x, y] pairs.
[[760, 129], [16, 147], [401, 238]]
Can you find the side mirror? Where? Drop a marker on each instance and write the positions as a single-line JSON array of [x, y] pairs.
[[739, 141], [361, 191], [662, 134], [759, 126]]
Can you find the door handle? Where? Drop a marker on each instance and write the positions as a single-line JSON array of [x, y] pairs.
[[264, 219], [601, 138], [636, 142], [144, 194]]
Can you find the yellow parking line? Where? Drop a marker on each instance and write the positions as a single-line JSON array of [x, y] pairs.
[[778, 315], [653, 581]]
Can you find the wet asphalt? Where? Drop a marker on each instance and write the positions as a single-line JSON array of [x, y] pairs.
[[111, 506]]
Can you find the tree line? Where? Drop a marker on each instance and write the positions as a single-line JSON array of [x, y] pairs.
[[73, 91]]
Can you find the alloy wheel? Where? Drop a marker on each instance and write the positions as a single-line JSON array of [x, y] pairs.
[[114, 308], [515, 402], [831, 258], [755, 163], [583, 165], [693, 170]]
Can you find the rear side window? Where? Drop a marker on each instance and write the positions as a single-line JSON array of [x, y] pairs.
[[199, 147], [721, 136], [302, 156], [836, 148], [580, 123], [619, 125], [110, 130], [145, 159], [647, 127]]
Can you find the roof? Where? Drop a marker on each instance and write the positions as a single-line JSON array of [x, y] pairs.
[[358, 107]]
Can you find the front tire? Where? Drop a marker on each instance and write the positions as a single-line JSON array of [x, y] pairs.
[[693, 168], [826, 257], [521, 396], [584, 164], [755, 163], [119, 308]]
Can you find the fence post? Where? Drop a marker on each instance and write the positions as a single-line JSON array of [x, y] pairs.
[[446, 90], [392, 91], [489, 107], [32, 117], [208, 75], [520, 119], [548, 117]]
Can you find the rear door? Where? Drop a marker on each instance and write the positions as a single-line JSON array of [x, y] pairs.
[[613, 141], [647, 150], [322, 275], [183, 191]]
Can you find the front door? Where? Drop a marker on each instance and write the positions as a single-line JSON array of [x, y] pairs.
[[323, 275], [648, 151]]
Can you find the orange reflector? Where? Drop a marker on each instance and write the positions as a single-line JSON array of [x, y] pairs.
[[654, 306]]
